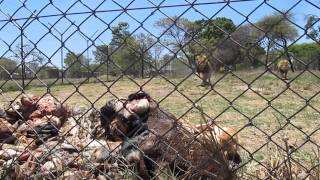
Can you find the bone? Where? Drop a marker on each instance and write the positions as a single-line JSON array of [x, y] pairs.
[[54, 165], [9, 154]]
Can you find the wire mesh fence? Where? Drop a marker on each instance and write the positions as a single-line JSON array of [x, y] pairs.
[[159, 89]]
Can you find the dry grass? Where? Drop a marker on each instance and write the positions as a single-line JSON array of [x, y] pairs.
[[281, 164], [254, 137]]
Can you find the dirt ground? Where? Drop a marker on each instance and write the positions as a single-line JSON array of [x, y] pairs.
[[268, 107]]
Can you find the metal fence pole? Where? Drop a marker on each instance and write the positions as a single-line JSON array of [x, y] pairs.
[[61, 58], [88, 57], [62, 47], [23, 70]]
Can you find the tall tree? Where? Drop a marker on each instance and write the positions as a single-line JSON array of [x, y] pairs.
[[313, 27], [156, 52], [211, 37], [75, 64], [313, 30], [250, 50], [216, 29], [174, 34], [122, 50], [309, 53], [30, 59], [102, 59], [122, 54], [143, 45], [7, 67], [120, 34], [276, 29], [101, 54]]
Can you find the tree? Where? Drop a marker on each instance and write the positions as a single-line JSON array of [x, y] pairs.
[[166, 63], [216, 29], [123, 51], [174, 30], [211, 37], [48, 72], [277, 30], [209, 32], [31, 59], [313, 30], [156, 52], [130, 52], [120, 34], [143, 44], [74, 63], [127, 60], [102, 59], [7, 67], [201, 36], [101, 54], [122, 48], [250, 50], [309, 53]]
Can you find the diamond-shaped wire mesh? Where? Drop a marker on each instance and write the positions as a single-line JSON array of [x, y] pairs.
[[159, 89]]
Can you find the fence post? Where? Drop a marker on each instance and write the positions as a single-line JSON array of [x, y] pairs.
[[61, 56], [142, 66], [23, 71], [108, 65]]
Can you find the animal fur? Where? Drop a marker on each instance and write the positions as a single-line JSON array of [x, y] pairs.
[[227, 138], [283, 67], [163, 142], [204, 69]]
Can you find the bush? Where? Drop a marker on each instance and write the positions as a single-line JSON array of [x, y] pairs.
[[8, 87]]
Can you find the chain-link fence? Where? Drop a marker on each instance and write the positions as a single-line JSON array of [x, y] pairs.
[[159, 89]]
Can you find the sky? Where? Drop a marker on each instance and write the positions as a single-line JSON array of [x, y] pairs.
[[61, 13]]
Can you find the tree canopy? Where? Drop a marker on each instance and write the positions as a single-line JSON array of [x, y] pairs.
[[124, 51], [8, 64], [220, 39], [215, 29], [75, 64], [211, 37], [120, 34], [277, 27], [276, 31], [7, 67], [308, 53], [313, 27]]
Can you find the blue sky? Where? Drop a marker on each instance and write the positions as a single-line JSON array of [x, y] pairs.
[[37, 33]]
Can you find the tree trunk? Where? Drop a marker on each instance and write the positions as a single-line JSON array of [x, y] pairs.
[[267, 54], [286, 51], [142, 67], [190, 60], [108, 70], [155, 64]]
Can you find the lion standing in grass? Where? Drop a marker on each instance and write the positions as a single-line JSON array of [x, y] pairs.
[[204, 69], [283, 67]]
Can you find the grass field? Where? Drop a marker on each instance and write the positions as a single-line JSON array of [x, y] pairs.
[[293, 108]]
